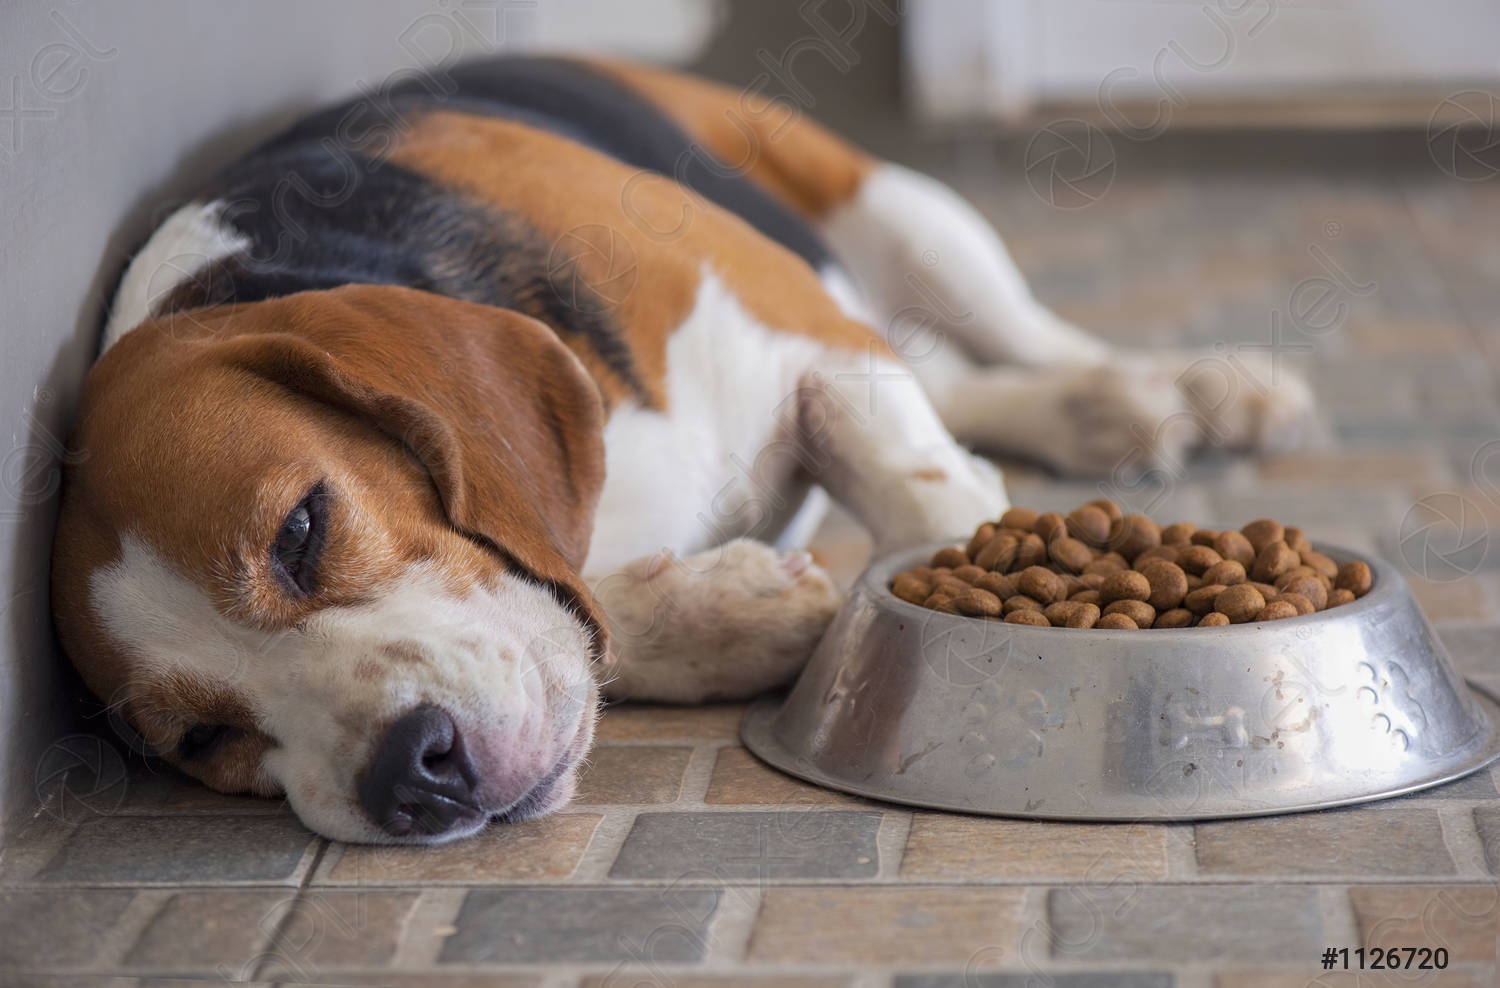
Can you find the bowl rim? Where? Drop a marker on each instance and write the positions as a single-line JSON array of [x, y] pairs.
[[1383, 578]]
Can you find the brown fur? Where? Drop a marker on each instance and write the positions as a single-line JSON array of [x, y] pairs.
[[560, 186], [770, 142]]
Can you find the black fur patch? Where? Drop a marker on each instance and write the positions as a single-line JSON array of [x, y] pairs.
[[572, 100], [319, 217]]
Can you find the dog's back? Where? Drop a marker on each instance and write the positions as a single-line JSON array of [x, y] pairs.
[[328, 202]]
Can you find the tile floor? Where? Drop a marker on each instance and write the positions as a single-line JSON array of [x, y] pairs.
[[685, 862]]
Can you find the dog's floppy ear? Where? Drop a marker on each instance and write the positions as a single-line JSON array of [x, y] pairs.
[[500, 413]]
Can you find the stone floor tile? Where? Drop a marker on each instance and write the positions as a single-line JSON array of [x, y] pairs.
[[631, 977], [535, 850], [1443, 600], [109, 981], [632, 774], [1400, 465], [1466, 551], [1362, 841], [1312, 978], [1476, 500], [420, 979], [1181, 501], [155, 788], [649, 722], [755, 846], [1476, 427], [160, 849], [1186, 924], [330, 930], [520, 926], [740, 778], [56, 928], [885, 925], [1372, 507], [1478, 785], [1089, 979], [948, 846], [1487, 823], [35, 842], [1473, 647], [218, 932], [1381, 338], [1464, 919]]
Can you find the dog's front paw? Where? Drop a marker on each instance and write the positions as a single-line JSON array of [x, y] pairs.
[[723, 624]]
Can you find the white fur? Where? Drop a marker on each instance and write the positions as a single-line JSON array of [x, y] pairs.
[[189, 240], [840, 288], [913, 244], [752, 414], [509, 665], [722, 460]]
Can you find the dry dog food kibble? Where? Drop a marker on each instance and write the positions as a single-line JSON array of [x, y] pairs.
[[1097, 567]]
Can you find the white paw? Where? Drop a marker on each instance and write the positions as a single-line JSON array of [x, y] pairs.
[[723, 624], [1246, 402], [1097, 420], [1144, 410]]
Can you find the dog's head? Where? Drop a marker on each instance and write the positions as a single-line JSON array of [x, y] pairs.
[[327, 545]]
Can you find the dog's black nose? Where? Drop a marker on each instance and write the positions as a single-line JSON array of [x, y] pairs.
[[420, 779]]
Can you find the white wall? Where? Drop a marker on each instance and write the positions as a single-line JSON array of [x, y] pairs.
[[1002, 58]]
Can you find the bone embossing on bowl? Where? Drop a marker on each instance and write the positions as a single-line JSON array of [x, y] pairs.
[[918, 706]]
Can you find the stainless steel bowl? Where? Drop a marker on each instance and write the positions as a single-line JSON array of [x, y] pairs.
[[915, 706]]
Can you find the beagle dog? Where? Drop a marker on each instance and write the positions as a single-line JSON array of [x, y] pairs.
[[456, 407]]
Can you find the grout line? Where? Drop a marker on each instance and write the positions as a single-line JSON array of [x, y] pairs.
[[600, 880], [133, 921], [1337, 914], [1197, 979], [697, 776], [854, 805], [307, 869], [321, 874], [38, 842], [269, 955], [890, 843], [732, 924], [1462, 839], [604, 846], [560, 979], [432, 920], [1426, 247], [1182, 852], [1033, 932]]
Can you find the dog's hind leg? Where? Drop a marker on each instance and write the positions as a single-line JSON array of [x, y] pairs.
[[1023, 380], [921, 254]]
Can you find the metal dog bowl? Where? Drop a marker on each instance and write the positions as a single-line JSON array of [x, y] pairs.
[[908, 705]]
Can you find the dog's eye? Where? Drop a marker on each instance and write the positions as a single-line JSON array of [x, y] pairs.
[[292, 538], [201, 740], [294, 554]]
